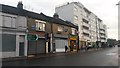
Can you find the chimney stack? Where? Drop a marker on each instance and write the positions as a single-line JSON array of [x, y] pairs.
[[20, 5], [56, 16]]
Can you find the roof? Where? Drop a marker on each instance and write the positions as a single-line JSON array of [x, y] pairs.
[[60, 21], [41, 16]]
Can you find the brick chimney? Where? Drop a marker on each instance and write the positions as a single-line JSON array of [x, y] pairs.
[[20, 5], [56, 15]]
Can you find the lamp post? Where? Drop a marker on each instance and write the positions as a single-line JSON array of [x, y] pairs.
[[118, 20]]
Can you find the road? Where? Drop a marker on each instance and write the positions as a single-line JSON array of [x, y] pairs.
[[103, 57]]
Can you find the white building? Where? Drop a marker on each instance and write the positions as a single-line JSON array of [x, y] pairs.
[[93, 28], [12, 32], [76, 13], [101, 32]]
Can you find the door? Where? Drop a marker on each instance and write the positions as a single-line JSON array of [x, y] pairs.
[[21, 45], [21, 49], [49, 45], [72, 45]]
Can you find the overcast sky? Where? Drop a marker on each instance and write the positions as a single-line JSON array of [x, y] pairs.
[[104, 9]]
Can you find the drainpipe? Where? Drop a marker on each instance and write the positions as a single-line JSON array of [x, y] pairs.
[[77, 39], [51, 38]]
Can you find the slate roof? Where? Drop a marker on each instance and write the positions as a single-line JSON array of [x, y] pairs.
[[41, 16]]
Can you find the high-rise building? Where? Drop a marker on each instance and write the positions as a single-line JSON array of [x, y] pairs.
[[89, 24]]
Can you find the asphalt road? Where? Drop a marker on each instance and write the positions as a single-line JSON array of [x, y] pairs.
[[103, 57]]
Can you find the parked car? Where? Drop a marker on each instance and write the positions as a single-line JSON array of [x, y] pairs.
[[118, 45], [110, 45], [89, 47]]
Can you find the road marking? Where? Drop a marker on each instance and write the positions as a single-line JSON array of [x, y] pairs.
[[111, 54]]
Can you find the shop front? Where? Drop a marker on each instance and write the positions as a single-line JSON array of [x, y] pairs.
[[73, 43], [36, 44], [60, 41]]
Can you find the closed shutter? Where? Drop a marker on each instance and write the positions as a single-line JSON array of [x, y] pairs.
[[36, 47], [31, 47], [41, 46], [60, 45], [8, 43]]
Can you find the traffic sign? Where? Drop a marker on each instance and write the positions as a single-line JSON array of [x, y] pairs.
[[36, 37], [32, 37]]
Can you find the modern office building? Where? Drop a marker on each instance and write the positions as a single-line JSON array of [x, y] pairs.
[[13, 28]]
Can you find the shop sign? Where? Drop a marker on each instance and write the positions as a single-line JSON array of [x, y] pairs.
[[32, 37]]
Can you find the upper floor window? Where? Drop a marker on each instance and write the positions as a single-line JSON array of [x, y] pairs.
[[85, 14], [13, 22], [40, 26], [60, 28], [73, 31], [75, 9], [9, 21], [76, 17]]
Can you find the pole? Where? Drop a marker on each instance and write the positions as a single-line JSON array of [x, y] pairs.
[[51, 48], [51, 39]]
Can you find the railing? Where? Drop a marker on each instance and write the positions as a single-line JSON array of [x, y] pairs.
[[86, 31], [102, 32], [102, 36], [62, 4], [85, 24], [86, 37]]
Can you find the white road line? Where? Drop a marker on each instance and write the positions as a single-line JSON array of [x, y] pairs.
[[111, 54]]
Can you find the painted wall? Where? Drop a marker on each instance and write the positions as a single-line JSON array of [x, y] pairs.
[[93, 23], [55, 29], [10, 36], [65, 12], [1, 20]]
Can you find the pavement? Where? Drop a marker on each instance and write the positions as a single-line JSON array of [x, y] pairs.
[[101, 57], [43, 55], [36, 56]]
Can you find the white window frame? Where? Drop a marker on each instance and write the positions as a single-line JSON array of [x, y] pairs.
[[4, 21], [13, 23], [75, 17], [73, 31], [75, 8], [10, 22], [41, 25]]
